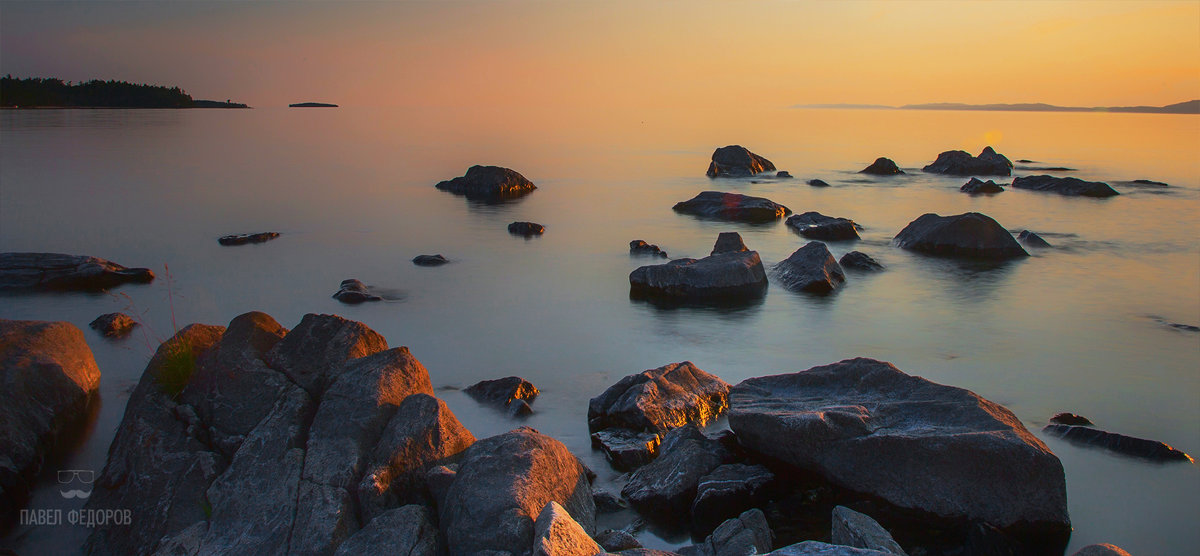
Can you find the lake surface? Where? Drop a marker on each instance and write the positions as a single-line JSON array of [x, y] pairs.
[[1073, 328]]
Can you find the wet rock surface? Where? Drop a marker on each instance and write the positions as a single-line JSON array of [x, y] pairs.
[[1065, 186], [967, 235], [733, 207], [722, 277], [664, 489], [243, 239], [737, 161], [661, 399], [814, 225], [1031, 239], [811, 268], [526, 229], [503, 392], [1118, 443], [961, 163], [56, 271], [858, 260], [626, 449], [488, 183]]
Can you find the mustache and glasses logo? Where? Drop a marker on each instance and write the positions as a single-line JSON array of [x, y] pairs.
[[75, 483]]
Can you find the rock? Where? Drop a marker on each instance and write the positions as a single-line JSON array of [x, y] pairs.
[[728, 491], [408, 530], [1151, 183], [858, 260], [736, 161], [503, 483], [527, 229], [1119, 443], [968, 235], [646, 552], [783, 174], [882, 167], [504, 392], [869, 427], [728, 276], [430, 260], [1070, 419], [613, 540], [519, 408], [55, 271], [1065, 186], [817, 183], [113, 325], [746, 534], [729, 242], [661, 399], [556, 534], [1032, 240], [640, 247], [438, 479], [961, 163], [49, 378], [817, 548], [851, 528], [488, 182], [626, 449], [811, 268], [607, 503], [1101, 550], [814, 225], [664, 489], [977, 186], [354, 291], [319, 345], [733, 207], [243, 239]]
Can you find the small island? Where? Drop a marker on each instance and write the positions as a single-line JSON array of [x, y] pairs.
[[312, 105], [38, 92]]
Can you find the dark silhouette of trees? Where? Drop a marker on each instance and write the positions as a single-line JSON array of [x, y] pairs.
[[37, 91]]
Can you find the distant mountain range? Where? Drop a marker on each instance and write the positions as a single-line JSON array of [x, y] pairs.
[[1189, 107]]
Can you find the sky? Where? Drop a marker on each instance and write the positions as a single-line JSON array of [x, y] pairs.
[[573, 55]]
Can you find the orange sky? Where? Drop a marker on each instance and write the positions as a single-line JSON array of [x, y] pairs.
[[603, 56]]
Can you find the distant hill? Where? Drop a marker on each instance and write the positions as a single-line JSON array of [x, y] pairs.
[[312, 105], [36, 92], [1189, 107]]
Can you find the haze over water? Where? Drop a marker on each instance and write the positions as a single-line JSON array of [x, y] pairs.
[[1068, 329]]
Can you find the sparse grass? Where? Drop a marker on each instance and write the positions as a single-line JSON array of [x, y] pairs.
[[178, 365]]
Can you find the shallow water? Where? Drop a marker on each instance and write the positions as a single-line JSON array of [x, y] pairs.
[[1072, 328]]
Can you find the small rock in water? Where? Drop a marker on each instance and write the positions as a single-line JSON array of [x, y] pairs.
[[1070, 419], [783, 174], [614, 540], [430, 260], [817, 183], [975, 185], [607, 502], [113, 324], [736, 161], [858, 260], [961, 163], [1175, 325], [811, 268], [354, 291], [243, 239], [1032, 240], [513, 393], [968, 235], [1119, 443], [627, 449], [882, 167], [640, 247], [814, 225], [1150, 183], [527, 229], [733, 207], [57, 271], [1065, 186], [488, 183], [729, 242]]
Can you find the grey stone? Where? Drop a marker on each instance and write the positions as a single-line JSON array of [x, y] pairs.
[[967, 235], [186, 543], [640, 247], [867, 426], [1031, 239], [858, 260], [502, 391], [783, 174], [725, 276], [975, 185], [243, 239], [1070, 419], [961, 163], [319, 345], [814, 225], [408, 530], [660, 399], [882, 167], [113, 325], [488, 182], [733, 207], [354, 291], [817, 548], [1065, 186], [626, 449], [527, 229], [851, 528], [614, 540], [818, 183], [557, 534], [811, 268], [56, 271], [607, 502], [1126, 445], [438, 480], [429, 260], [728, 491], [664, 489], [729, 242], [745, 535], [737, 161]]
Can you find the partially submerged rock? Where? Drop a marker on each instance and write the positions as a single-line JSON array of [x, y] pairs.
[[664, 489], [817, 183], [526, 229], [1119, 443], [869, 427], [858, 260], [661, 399], [1065, 186], [1032, 240], [882, 167], [56, 271], [430, 260], [961, 163], [969, 235], [1070, 419], [851, 528], [488, 182], [113, 324], [49, 377], [243, 239], [975, 185], [814, 225], [733, 207], [354, 291], [1103, 549], [783, 174], [725, 276], [503, 392], [729, 242], [640, 247], [737, 161], [627, 449], [811, 268]]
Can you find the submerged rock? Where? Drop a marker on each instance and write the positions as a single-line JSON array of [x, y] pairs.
[[975, 185], [851, 528], [728, 274], [1065, 186], [1070, 419], [661, 399], [814, 225], [729, 242], [961, 163], [737, 161], [354, 291], [56, 271], [783, 174], [526, 229], [858, 260], [488, 182], [971, 235], [113, 324], [1150, 183], [733, 207], [869, 427], [811, 268], [243, 239], [49, 377], [640, 247], [817, 183], [430, 260], [613, 540], [1119, 443], [882, 167], [1032, 240]]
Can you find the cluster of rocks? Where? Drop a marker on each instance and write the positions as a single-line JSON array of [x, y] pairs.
[[57, 271]]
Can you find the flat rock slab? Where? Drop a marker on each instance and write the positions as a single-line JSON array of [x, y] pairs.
[[1119, 443], [737, 161], [869, 427], [243, 239], [56, 271], [961, 163], [814, 225], [968, 235], [1065, 186], [811, 268], [733, 207], [627, 449], [817, 183], [488, 182]]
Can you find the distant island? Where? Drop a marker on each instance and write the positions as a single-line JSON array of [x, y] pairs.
[[312, 105], [1189, 107], [37, 92]]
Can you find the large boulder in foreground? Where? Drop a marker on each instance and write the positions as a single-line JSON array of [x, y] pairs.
[[730, 273], [961, 163], [968, 235], [503, 483], [488, 182], [56, 271], [660, 399], [811, 268], [1065, 186], [737, 161], [733, 207], [869, 427], [48, 377]]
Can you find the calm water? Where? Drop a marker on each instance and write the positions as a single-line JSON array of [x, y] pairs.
[[1068, 329]]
